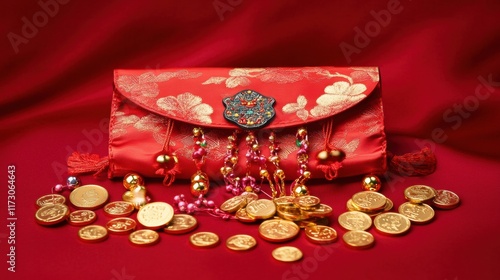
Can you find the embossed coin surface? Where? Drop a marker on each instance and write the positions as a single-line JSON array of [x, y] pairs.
[[249, 196], [307, 201], [358, 239], [51, 214], [278, 230], [82, 217], [419, 193], [417, 213], [291, 213], [355, 220], [144, 237], [392, 223], [446, 199], [261, 209], [93, 233], [155, 215], [233, 204], [369, 201], [320, 211], [204, 239], [119, 209], [241, 242], [320, 234], [50, 199], [88, 197], [287, 254], [121, 225], [242, 216], [181, 223], [284, 200]]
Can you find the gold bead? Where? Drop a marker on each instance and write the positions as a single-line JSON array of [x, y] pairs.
[[307, 174], [248, 189], [337, 155], [199, 177], [274, 159], [300, 190], [198, 188], [302, 132], [371, 183], [264, 173], [225, 170], [233, 160], [322, 156], [132, 180], [255, 147], [197, 131], [162, 159], [280, 173]]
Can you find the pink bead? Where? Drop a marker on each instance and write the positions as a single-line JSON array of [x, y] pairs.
[[210, 204], [229, 188], [198, 203], [182, 204], [177, 198], [191, 208], [236, 191], [59, 188]]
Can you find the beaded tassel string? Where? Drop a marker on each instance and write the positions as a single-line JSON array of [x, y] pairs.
[[298, 187], [279, 174], [233, 183]]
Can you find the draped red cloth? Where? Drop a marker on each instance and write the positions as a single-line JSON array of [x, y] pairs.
[[440, 87]]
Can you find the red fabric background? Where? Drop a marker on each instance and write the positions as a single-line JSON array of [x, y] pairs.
[[433, 57]]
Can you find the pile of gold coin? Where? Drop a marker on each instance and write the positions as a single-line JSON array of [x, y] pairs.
[[303, 209], [370, 202], [417, 209]]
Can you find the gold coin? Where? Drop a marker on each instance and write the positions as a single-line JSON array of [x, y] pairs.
[[50, 199], [155, 215], [320, 234], [321, 211], [290, 213], [119, 209], [204, 239], [51, 214], [358, 239], [121, 225], [82, 217], [287, 254], [144, 237], [307, 202], [241, 242], [88, 197], [261, 209], [313, 221], [369, 201], [419, 193], [249, 196], [93, 233], [233, 204], [242, 216], [392, 223], [388, 206], [355, 220], [417, 213], [284, 200], [278, 230], [181, 223], [446, 199]]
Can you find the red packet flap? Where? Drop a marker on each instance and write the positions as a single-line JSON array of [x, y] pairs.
[[195, 95]]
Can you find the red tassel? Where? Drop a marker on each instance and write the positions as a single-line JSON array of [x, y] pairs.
[[330, 170], [86, 163], [420, 163]]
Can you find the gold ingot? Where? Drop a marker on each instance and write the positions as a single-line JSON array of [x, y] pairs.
[[132, 180], [287, 254], [136, 196], [417, 213], [371, 183], [358, 239], [300, 190]]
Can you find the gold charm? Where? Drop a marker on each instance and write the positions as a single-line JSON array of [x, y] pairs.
[[199, 184], [136, 196], [371, 183]]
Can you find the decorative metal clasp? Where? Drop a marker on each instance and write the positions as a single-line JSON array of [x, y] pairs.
[[249, 109]]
